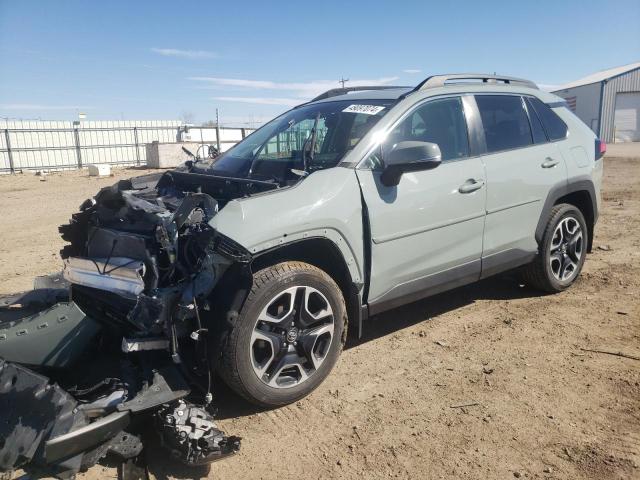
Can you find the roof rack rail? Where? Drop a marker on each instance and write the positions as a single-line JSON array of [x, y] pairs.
[[441, 80], [334, 92]]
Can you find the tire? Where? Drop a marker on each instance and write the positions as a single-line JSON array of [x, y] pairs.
[[549, 272], [255, 348]]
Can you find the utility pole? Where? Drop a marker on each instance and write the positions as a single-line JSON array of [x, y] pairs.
[[343, 80]]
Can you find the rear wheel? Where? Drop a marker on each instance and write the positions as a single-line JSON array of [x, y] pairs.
[[562, 251], [288, 335]]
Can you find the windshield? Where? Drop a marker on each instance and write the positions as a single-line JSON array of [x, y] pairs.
[[303, 140]]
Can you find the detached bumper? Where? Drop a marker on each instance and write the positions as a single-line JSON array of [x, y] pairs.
[[42, 327]]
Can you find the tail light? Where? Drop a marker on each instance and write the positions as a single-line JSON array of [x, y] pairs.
[[601, 148]]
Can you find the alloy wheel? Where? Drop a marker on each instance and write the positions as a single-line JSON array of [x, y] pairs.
[[292, 336], [566, 249]]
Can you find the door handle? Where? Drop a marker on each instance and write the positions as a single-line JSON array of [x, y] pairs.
[[471, 185], [549, 162]]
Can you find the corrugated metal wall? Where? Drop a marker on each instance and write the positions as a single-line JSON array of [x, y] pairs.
[[38, 144], [586, 103], [627, 82]]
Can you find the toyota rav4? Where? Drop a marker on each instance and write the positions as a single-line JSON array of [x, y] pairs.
[[252, 265]]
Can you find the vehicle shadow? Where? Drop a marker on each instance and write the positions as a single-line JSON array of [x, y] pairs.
[[505, 287]]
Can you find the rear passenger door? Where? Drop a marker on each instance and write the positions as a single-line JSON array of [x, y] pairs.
[[521, 167]]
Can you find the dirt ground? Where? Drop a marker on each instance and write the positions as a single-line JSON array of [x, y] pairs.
[[539, 406]]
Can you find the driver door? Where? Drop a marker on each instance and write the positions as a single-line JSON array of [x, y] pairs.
[[426, 232]]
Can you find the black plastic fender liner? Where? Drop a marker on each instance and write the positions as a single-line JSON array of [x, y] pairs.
[[31, 411], [558, 191]]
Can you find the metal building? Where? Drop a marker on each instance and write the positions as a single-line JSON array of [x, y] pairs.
[[608, 101]]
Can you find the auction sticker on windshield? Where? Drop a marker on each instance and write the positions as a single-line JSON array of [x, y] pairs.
[[366, 109]]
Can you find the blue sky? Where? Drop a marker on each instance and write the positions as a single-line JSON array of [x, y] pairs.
[[252, 60]]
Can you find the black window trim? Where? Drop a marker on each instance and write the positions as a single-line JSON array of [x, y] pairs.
[[526, 113], [530, 112]]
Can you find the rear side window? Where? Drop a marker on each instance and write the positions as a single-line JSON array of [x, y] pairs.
[[556, 129], [505, 122], [536, 126]]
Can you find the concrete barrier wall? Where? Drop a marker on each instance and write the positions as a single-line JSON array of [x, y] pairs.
[[168, 155]]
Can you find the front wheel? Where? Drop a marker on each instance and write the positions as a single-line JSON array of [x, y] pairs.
[[287, 337], [562, 251]]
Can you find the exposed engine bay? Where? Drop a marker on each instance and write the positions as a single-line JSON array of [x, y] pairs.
[[127, 336]]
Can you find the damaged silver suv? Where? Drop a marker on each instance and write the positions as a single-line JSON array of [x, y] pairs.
[[251, 266]]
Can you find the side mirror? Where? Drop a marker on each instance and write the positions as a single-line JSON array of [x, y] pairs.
[[409, 156]]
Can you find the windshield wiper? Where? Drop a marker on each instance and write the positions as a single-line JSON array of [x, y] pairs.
[[313, 138]]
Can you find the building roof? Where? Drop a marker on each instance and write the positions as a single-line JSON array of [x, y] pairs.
[[600, 76]]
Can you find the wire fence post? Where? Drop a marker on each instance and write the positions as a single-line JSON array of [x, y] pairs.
[[244, 132], [135, 139], [9, 153], [76, 135], [218, 131]]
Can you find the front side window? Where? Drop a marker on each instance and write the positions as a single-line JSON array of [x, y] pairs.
[[437, 121], [553, 124], [305, 139], [505, 122]]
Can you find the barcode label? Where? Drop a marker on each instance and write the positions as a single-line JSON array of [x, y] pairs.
[[366, 109]]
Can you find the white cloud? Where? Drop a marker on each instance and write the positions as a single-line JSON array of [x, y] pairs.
[[35, 106], [411, 70], [289, 102], [300, 89], [192, 54]]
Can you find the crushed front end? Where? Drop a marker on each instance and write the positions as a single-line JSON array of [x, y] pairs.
[[127, 338]]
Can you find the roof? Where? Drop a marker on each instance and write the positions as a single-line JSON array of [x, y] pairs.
[[395, 93], [434, 81], [600, 76], [436, 85]]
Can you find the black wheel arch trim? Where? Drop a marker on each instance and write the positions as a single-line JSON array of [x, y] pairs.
[[351, 289], [562, 190]]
